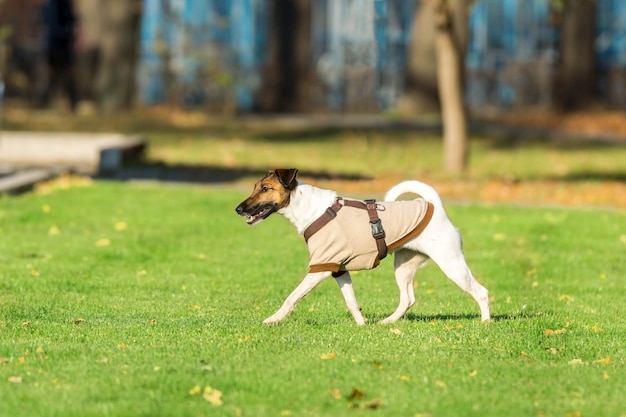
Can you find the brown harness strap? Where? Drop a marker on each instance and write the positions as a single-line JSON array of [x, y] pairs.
[[321, 221], [331, 212]]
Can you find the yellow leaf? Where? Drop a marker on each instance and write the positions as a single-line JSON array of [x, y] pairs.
[[53, 231], [605, 376], [122, 345], [103, 242], [26, 323], [213, 396], [79, 320], [119, 226], [15, 379], [377, 364], [326, 356], [34, 273], [45, 208], [440, 384], [575, 362], [39, 350], [21, 360], [596, 329], [195, 390], [605, 360], [473, 373], [336, 394], [499, 237], [285, 413], [405, 378], [622, 239], [395, 331]]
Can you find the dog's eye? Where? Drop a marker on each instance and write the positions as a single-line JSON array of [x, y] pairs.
[[265, 189]]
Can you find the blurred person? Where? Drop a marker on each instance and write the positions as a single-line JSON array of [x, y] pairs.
[[59, 22]]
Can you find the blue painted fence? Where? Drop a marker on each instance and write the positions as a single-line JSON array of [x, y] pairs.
[[210, 52]]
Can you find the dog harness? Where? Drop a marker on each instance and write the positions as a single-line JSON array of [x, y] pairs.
[[350, 236]]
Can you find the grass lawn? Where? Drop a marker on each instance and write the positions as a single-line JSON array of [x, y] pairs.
[[146, 300]]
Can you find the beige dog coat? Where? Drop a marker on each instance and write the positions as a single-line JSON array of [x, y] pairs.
[[345, 243]]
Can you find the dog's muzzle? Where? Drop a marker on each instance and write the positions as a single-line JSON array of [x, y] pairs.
[[256, 214]]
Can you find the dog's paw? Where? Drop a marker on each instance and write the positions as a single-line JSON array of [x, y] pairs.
[[272, 320]]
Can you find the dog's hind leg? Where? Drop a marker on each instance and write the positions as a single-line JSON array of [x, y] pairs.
[[345, 284], [448, 255], [406, 262], [309, 282]]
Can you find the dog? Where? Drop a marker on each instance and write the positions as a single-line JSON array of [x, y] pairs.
[[314, 210]]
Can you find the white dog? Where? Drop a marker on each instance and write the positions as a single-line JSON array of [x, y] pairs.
[[414, 231]]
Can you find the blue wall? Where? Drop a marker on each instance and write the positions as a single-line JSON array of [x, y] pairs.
[[212, 51]]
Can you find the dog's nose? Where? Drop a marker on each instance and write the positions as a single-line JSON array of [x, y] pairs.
[[239, 209]]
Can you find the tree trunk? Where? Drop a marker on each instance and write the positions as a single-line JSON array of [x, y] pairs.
[[450, 83], [574, 87], [287, 76], [118, 54]]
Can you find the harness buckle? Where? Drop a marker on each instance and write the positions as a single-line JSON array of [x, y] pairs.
[[331, 213], [377, 229]]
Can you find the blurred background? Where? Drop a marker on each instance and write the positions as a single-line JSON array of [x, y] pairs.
[[352, 56]]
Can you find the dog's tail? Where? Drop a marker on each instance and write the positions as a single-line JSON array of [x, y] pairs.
[[415, 187]]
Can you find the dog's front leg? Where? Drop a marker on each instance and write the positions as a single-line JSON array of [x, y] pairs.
[[309, 282], [345, 284]]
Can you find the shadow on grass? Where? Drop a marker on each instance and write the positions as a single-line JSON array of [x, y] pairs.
[[429, 318], [208, 174]]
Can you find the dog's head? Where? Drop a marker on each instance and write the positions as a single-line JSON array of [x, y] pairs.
[[270, 194]]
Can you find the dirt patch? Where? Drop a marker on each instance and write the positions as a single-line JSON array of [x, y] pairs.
[[543, 192]]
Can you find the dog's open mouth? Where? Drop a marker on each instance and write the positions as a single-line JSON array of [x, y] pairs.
[[259, 215]]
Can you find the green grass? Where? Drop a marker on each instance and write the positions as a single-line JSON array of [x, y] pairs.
[[99, 319]]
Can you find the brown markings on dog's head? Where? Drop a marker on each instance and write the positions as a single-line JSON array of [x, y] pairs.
[[270, 194]]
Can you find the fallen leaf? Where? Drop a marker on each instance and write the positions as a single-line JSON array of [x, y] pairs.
[[336, 394], [122, 345], [26, 323], [440, 384], [195, 390], [395, 331], [473, 373], [499, 237], [53, 231], [622, 239], [377, 364], [45, 208], [326, 356], [15, 379], [605, 376], [285, 413], [21, 360], [356, 394], [79, 320], [39, 350], [405, 378], [604, 360], [596, 329], [575, 362], [119, 226], [34, 272], [213, 396], [103, 242], [552, 350], [3, 359], [373, 404]]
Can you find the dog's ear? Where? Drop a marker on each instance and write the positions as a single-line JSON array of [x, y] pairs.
[[287, 177]]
